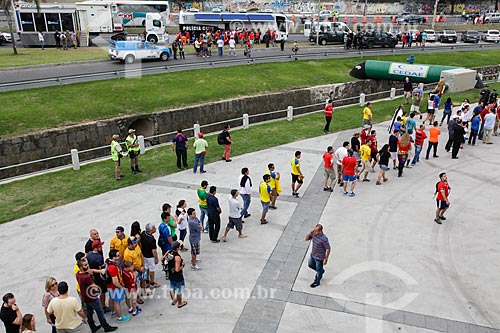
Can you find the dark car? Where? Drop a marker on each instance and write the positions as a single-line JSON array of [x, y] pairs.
[[379, 38], [471, 36], [2, 39], [411, 19], [326, 36]]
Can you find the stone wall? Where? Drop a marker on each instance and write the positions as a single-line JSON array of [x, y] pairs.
[[94, 134]]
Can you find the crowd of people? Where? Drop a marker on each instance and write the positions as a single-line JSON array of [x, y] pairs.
[[357, 158]]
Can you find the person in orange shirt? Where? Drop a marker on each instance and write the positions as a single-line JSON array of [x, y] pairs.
[[434, 132]]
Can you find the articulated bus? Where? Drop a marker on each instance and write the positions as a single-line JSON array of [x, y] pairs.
[[196, 22]]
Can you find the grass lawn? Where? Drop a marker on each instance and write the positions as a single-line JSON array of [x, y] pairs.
[[37, 56], [25, 197], [106, 99]]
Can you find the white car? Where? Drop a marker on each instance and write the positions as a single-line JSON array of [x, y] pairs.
[[431, 35], [129, 51], [491, 36], [7, 36]]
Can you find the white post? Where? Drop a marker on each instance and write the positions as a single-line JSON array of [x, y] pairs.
[[393, 93], [289, 113], [246, 121], [196, 129], [361, 99], [142, 147], [75, 160]]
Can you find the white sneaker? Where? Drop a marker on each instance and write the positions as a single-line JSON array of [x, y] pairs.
[[224, 239], [195, 268], [242, 236]]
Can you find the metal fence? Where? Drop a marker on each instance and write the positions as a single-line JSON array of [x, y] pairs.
[[75, 157]]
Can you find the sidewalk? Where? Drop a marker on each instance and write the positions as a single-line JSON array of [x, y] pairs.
[[433, 274]]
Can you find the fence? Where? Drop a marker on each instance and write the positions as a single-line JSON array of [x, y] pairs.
[[75, 157]]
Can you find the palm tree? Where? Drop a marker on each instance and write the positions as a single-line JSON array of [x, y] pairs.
[[7, 7]]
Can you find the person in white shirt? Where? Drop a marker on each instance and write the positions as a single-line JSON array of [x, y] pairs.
[[489, 123], [220, 45], [232, 46], [340, 153], [245, 184], [234, 216], [182, 223]]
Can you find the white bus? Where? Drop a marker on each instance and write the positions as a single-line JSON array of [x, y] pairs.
[[196, 22]]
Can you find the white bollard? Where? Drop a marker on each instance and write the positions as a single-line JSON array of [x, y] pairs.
[[75, 160], [361, 99], [393, 93], [289, 113], [142, 147], [196, 130], [246, 121]]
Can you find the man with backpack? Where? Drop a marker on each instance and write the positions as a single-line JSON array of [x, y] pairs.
[[165, 238], [224, 138], [442, 201]]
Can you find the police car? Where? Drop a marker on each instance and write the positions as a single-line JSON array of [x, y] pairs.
[[129, 51]]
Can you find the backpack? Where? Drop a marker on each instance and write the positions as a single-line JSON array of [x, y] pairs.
[[220, 138], [106, 277]]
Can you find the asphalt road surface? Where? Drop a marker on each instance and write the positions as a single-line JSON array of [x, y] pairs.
[[48, 75]]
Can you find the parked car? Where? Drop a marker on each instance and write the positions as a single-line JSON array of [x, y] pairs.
[[395, 30], [379, 38], [326, 35], [129, 51], [411, 19], [448, 36], [492, 18], [471, 36], [7, 36], [431, 35], [491, 36]]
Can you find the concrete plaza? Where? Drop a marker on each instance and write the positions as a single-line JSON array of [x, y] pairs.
[[392, 268]]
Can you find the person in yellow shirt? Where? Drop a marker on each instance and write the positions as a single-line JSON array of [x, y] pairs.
[[133, 254], [365, 153], [367, 114], [265, 197], [119, 242], [297, 176], [274, 182]]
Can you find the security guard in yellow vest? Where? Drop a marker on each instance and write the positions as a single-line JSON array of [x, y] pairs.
[[116, 155], [133, 150]]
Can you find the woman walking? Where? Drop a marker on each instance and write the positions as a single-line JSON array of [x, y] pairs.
[[384, 156], [448, 106], [50, 293]]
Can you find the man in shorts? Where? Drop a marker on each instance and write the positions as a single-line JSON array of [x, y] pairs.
[[235, 220], [393, 148], [349, 164], [442, 201], [365, 153], [150, 253], [340, 153], [265, 197], [195, 228], [329, 172]]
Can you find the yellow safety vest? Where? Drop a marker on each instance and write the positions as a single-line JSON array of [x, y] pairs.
[[130, 141], [115, 154]]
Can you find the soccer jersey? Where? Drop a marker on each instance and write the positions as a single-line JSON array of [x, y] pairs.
[[265, 191], [295, 165], [365, 152]]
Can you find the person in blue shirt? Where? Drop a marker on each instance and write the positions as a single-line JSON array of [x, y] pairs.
[[474, 129], [448, 106], [165, 239]]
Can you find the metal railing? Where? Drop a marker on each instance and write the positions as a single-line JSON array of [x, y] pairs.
[[332, 53], [245, 121]]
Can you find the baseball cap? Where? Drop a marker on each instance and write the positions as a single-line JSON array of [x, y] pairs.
[[130, 131], [200, 135], [120, 228], [97, 243]]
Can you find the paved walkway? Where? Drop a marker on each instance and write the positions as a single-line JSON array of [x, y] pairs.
[[392, 269]]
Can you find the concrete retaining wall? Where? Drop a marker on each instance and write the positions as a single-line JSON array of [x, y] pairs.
[[94, 134]]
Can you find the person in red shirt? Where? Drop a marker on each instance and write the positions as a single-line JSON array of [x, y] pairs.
[[115, 287], [349, 164], [442, 201], [373, 148], [328, 115], [365, 133], [420, 137], [329, 171]]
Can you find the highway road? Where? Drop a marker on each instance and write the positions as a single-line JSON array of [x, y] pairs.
[[51, 75]]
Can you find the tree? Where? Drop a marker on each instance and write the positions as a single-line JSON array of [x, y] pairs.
[[7, 7]]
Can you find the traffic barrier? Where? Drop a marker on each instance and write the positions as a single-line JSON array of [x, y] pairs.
[[293, 19], [362, 98], [426, 19], [75, 160], [393, 19], [355, 20], [444, 19], [365, 21], [142, 146], [375, 19], [346, 20]]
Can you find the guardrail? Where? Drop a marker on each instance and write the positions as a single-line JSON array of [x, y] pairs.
[[60, 80], [244, 121]]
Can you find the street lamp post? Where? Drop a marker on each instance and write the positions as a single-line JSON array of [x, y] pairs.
[[317, 29], [435, 11]]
